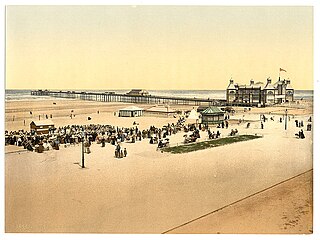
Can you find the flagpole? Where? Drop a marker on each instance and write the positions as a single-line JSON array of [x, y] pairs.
[[279, 73]]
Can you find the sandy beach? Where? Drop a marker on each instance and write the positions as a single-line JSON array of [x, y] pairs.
[[150, 191]]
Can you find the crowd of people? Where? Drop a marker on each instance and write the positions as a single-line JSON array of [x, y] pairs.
[[103, 134]]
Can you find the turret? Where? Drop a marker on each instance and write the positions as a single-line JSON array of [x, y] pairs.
[[231, 85]]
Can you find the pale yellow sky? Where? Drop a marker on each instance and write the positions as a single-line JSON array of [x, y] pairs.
[[156, 47]]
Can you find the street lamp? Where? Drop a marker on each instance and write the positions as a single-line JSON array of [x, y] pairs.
[[285, 123], [82, 162]]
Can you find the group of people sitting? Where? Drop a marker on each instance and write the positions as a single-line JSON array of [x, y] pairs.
[[189, 138], [300, 134], [163, 143], [233, 132], [213, 135]]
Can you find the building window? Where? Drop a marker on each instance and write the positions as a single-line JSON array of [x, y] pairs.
[[289, 92], [270, 93], [232, 92]]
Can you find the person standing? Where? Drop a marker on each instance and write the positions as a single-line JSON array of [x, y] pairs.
[[118, 150], [301, 134], [125, 152]]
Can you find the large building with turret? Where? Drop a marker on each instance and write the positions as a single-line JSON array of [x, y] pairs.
[[259, 93]]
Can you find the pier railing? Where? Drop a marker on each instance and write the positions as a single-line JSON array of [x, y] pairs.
[[115, 97]]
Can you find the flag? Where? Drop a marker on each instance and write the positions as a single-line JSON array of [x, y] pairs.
[[281, 69]]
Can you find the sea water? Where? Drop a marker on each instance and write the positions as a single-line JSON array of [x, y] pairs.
[[204, 94]]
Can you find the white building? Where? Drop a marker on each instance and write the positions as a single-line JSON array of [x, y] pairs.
[[259, 94]]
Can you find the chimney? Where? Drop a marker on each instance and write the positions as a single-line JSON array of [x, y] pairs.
[[251, 82], [268, 81]]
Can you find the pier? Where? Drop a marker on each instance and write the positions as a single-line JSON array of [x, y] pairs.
[[115, 97]]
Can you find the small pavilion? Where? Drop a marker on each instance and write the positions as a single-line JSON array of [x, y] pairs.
[[212, 115], [131, 111]]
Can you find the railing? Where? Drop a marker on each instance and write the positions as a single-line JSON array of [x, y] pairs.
[[114, 97]]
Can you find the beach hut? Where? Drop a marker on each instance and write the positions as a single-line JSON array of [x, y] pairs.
[[212, 115], [41, 127], [131, 111]]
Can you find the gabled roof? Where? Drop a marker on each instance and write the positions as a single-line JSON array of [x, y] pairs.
[[131, 108], [232, 85], [269, 86], [161, 109], [212, 110], [43, 123]]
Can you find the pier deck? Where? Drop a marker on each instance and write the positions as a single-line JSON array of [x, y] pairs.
[[115, 97]]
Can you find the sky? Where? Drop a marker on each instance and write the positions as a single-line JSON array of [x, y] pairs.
[[156, 47]]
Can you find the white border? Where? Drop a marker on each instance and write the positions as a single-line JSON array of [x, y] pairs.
[[316, 130]]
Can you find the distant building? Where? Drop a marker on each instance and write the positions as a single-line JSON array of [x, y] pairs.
[[131, 111], [160, 111], [259, 94], [138, 92], [41, 127]]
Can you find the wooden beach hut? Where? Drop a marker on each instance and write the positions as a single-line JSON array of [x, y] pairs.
[[41, 127], [131, 111], [212, 115]]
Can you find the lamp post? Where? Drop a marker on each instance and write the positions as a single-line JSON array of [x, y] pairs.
[[285, 123], [82, 162]]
